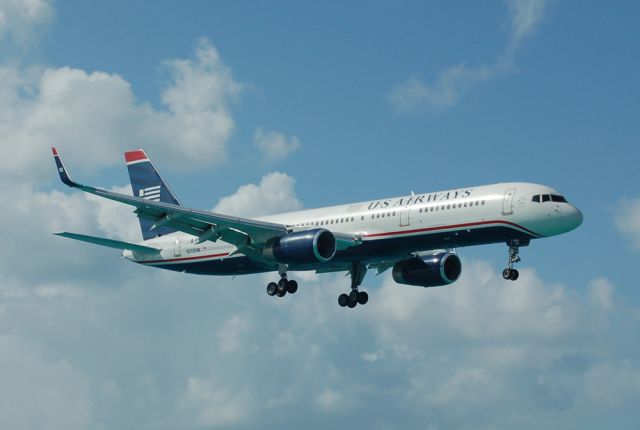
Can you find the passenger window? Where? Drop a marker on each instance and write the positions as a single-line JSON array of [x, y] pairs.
[[482, 202], [546, 198]]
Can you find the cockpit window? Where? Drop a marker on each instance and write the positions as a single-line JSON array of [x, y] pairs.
[[536, 199], [556, 198], [546, 197]]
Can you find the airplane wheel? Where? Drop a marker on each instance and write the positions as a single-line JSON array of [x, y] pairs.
[[343, 300], [363, 297], [281, 293], [514, 274], [272, 287], [352, 302], [292, 287], [506, 274]]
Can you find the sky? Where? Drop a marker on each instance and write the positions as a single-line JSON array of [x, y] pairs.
[[254, 108]]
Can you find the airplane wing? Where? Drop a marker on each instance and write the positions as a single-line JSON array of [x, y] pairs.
[[247, 235]]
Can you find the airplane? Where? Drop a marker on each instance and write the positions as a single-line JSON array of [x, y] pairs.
[[414, 235]]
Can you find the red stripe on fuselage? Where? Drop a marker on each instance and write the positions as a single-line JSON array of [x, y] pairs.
[[391, 233], [447, 227], [137, 155]]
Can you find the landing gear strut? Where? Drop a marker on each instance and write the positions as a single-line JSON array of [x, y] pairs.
[[357, 272], [283, 286], [510, 273]]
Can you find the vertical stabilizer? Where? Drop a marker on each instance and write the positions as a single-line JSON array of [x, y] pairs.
[[147, 183]]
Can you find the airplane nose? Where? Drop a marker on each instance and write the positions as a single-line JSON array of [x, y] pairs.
[[579, 217], [575, 218]]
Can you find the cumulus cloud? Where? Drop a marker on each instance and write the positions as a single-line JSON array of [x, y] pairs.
[[627, 220], [216, 406], [414, 95], [20, 20], [34, 215], [483, 348], [274, 145], [93, 117], [38, 392], [274, 194]]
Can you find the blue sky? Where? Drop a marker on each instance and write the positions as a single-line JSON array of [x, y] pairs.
[[257, 107]]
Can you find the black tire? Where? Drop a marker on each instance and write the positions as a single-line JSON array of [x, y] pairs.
[[506, 274], [363, 297], [352, 302], [282, 288], [353, 295], [514, 275], [292, 287], [272, 287], [343, 299]]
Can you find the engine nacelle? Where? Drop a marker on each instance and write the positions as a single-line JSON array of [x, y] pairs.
[[302, 247], [428, 270]]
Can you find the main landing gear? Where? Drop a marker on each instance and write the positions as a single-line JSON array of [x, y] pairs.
[[357, 272], [283, 286], [510, 273]]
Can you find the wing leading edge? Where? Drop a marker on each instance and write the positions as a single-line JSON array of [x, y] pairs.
[[247, 235]]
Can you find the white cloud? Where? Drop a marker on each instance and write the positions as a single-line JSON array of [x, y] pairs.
[[229, 334], [37, 392], [274, 145], [215, 405], [274, 194], [627, 219], [525, 16], [115, 219], [93, 117], [601, 293], [414, 95], [20, 20], [452, 84], [483, 348]]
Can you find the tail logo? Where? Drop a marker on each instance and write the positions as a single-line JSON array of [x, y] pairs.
[[151, 193]]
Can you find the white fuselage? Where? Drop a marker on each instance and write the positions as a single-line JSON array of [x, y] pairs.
[[395, 226]]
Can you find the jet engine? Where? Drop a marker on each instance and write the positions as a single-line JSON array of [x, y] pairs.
[[428, 270], [302, 247]]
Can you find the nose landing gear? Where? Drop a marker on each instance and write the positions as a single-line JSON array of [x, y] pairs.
[[510, 273]]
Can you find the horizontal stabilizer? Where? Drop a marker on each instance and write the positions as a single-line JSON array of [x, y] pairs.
[[111, 243]]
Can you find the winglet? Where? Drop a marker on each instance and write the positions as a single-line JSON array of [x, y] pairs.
[[62, 171]]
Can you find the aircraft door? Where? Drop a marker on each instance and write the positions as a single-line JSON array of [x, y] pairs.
[[177, 252], [404, 216], [507, 201]]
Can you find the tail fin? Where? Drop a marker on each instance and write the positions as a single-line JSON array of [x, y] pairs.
[[147, 183]]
